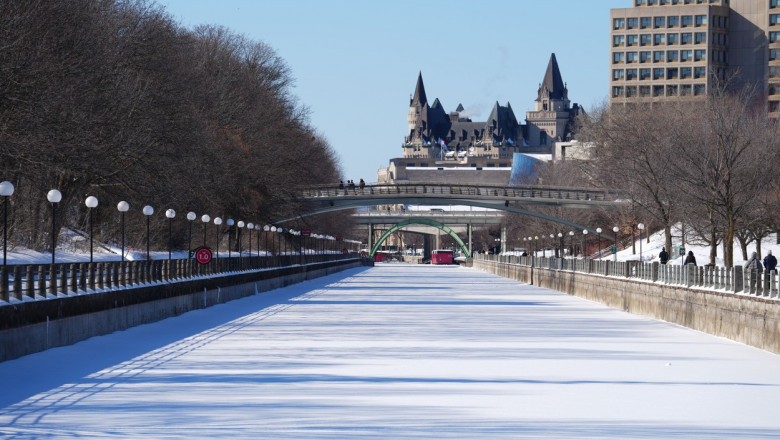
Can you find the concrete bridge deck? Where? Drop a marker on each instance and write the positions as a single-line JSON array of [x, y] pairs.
[[397, 351]]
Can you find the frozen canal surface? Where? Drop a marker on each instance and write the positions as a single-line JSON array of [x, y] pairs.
[[397, 351]]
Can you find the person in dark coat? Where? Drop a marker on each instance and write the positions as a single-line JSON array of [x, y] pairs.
[[663, 256], [770, 262], [753, 263], [362, 184], [690, 259], [341, 184]]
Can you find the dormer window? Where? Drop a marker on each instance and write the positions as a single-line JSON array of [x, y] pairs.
[[544, 104]]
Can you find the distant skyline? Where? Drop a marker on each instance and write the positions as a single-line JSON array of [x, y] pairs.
[[355, 63]]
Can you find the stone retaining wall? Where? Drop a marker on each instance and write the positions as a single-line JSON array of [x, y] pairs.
[[747, 319]]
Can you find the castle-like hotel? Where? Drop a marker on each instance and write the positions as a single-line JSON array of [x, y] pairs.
[[442, 147]]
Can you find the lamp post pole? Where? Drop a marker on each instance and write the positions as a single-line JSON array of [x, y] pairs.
[[6, 190], [240, 225], [584, 241], [273, 239], [641, 227], [170, 213], [615, 230], [598, 231], [217, 221], [54, 197], [122, 207], [91, 203], [230, 224], [560, 246], [250, 226], [148, 211], [571, 243], [205, 219], [191, 216], [266, 228]]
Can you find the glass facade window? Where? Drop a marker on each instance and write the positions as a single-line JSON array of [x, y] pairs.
[[617, 74], [699, 89], [774, 19], [617, 91], [699, 55], [701, 20], [644, 74], [630, 91], [699, 72], [659, 21], [618, 40], [658, 56], [644, 90], [687, 20], [686, 90], [672, 38], [632, 40], [774, 71], [671, 55], [618, 57], [700, 37], [632, 23], [658, 73], [673, 21], [671, 90], [686, 55], [644, 57], [686, 73], [619, 23], [645, 22], [659, 39], [686, 38], [645, 39], [672, 73], [630, 74], [774, 3], [658, 90], [774, 54], [631, 57], [774, 36]]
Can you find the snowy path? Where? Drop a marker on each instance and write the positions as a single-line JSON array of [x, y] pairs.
[[397, 351]]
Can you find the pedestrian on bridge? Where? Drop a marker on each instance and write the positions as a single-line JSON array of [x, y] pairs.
[[690, 259], [362, 184], [754, 263], [770, 262], [663, 256]]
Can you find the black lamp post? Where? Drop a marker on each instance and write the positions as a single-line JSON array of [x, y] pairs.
[[217, 221], [641, 227], [122, 207], [240, 225], [91, 203], [230, 224], [250, 226], [148, 211], [571, 243], [584, 241], [170, 213], [6, 190], [190, 216], [560, 246], [54, 197], [205, 219], [598, 231], [615, 230]]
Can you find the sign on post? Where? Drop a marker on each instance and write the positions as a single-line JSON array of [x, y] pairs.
[[306, 232], [203, 255]]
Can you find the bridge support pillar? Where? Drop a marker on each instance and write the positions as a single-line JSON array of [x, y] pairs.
[[471, 252], [503, 239], [370, 236]]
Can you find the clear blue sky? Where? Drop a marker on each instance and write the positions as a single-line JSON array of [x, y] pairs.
[[355, 63]]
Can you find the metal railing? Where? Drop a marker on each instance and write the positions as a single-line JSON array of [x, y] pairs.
[[28, 282], [461, 191], [729, 279]]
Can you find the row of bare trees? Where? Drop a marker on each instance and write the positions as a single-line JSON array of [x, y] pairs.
[[113, 98], [707, 164]]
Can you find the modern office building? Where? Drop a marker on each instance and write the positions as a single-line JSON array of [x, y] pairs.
[[666, 49]]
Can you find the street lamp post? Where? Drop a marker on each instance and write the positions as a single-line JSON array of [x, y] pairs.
[[123, 207], [552, 244], [598, 231], [584, 242], [205, 219], [273, 240], [91, 203], [190, 216], [240, 225], [560, 246], [6, 190], [148, 211], [250, 226], [536, 245], [217, 221], [230, 222], [266, 228], [170, 213], [54, 197], [571, 243], [641, 227], [615, 230]]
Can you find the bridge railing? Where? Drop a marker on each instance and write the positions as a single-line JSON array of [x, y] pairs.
[[729, 279], [30, 282], [461, 191]]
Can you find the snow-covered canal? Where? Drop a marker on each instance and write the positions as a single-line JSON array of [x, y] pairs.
[[397, 351]]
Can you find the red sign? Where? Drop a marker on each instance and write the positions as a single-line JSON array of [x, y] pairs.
[[306, 232], [203, 255]]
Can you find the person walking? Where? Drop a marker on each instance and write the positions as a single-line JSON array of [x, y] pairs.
[[362, 184], [690, 259], [770, 262], [663, 256], [753, 263]]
